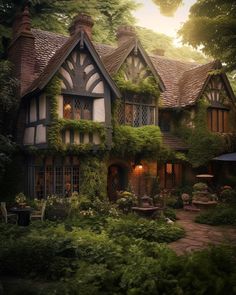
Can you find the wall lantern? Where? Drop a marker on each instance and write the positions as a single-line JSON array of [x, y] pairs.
[[138, 165]]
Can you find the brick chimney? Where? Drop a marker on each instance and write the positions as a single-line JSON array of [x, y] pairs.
[[21, 51], [124, 33], [82, 22], [159, 51]]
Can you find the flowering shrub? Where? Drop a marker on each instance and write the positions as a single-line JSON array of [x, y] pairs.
[[126, 201], [20, 198]]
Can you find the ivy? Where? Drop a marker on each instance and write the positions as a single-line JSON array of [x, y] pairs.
[[57, 125], [130, 141], [203, 144], [93, 178], [148, 86]]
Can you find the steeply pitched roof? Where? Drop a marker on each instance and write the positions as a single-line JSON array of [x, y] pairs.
[[54, 61], [114, 60], [183, 82]]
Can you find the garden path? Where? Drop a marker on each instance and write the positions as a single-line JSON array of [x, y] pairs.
[[199, 236]]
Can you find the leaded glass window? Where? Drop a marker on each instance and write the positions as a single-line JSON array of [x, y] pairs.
[[136, 112], [77, 108]]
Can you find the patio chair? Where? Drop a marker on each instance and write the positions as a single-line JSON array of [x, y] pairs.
[[39, 214], [6, 215]]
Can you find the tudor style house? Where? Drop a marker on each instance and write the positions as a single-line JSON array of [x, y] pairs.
[[67, 89]]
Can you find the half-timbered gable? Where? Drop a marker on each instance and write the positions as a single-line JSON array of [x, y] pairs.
[[134, 66], [86, 93]]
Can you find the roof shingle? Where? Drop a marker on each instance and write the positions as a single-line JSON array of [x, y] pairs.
[[183, 81]]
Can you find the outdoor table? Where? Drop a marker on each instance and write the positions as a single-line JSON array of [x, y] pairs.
[[23, 215]]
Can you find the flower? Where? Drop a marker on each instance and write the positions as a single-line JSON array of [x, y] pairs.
[[20, 198]]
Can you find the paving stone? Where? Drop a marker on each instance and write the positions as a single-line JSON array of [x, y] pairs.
[[199, 236]]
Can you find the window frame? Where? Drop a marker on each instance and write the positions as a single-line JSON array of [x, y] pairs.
[[221, 116], [83, 100], [140, 106]]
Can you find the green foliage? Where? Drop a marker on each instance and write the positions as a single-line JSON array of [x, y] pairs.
[[208, 22], [210, 271], [57, 126], [144, 140], [126, 201], [168, 7], [50, 258], [221, 215], [139, 228], [174, 202], [203, 144], [147, 86], [56, 16], [8, 107], [93, 178], [228, 196], [200, 186]]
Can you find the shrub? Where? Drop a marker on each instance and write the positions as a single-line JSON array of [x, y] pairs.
[[141, 228], [174, 202], [200, 186], [228, 196], [170, 213], [126, 201], [222, 214]]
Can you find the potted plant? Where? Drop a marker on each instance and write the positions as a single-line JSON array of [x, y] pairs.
[[21, 200]]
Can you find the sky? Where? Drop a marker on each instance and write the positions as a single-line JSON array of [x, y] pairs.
[[148, 16]]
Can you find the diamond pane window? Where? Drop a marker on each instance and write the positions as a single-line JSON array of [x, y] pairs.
[[136, 114], [77, 108]]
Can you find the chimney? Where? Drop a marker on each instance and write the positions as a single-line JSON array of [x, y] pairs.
[[159, 51], [21, 51], [82, 22], [124, 33]]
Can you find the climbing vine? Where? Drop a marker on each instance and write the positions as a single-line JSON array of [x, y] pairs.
[[57, 126], [203, 144], [93, 178], [148, 86]]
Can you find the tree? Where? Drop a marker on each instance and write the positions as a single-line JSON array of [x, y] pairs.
[[212, 27], [56, 16], [152, 40], [8, 109], [168, 7]]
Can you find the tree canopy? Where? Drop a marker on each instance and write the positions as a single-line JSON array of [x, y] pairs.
[[168, 7], [212, 27], [56, 16]]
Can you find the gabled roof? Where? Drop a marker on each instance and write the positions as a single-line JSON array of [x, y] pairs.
[[57, 59], [183, 81], [193, 82], [114, 60]]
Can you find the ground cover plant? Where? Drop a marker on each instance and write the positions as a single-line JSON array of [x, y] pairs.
[[221, 215]]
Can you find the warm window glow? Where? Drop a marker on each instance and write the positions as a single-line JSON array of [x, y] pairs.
[[169, 168], [77, 108]]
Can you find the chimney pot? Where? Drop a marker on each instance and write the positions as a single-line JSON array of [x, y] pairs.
[[82, 22], [124, 33]]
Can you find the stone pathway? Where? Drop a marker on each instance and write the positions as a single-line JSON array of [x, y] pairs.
[[199, 235]]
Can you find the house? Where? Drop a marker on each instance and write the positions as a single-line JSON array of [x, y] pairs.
[[72, 103]]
